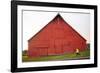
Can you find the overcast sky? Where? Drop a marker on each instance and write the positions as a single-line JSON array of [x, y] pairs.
[[34, 21]]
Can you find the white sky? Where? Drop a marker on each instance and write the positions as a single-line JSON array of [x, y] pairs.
[[34, 21]]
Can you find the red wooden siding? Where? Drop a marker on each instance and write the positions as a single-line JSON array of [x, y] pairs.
[[56, 38]]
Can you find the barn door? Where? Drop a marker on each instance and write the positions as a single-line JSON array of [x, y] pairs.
[[67, 47], [51, 49], [58, 46], [43, 51]]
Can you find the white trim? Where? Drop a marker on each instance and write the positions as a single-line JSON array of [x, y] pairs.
[[54, 63]]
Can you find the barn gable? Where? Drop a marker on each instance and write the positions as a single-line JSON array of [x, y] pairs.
[[57, 18]]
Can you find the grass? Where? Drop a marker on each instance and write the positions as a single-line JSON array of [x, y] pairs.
[[82, 55]]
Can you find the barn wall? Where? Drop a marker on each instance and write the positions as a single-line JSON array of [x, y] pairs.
[[55, 39]]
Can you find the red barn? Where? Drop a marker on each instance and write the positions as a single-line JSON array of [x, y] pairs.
[[56, 38]]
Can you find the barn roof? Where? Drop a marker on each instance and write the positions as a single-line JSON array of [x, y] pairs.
[[58, 16]]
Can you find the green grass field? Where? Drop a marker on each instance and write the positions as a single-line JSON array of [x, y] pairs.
[[82, 55]]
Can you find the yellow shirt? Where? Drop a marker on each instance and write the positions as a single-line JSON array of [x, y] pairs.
[[77, 50]]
